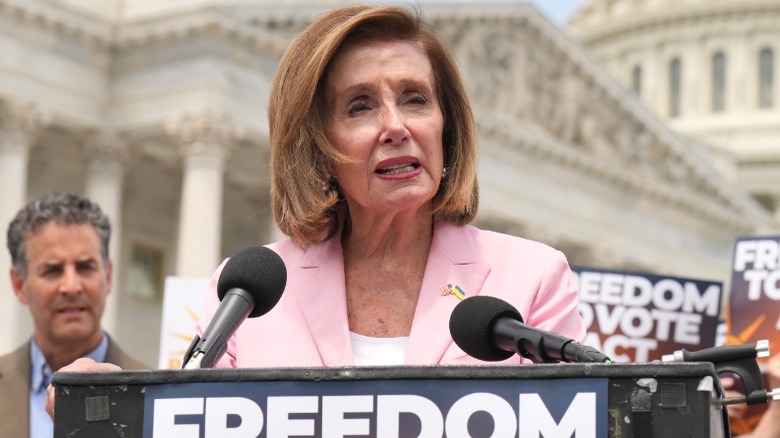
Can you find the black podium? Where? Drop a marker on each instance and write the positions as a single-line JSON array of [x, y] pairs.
[[582, 400]]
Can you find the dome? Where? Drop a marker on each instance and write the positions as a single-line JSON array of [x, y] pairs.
[[709, 68], [599, 17]]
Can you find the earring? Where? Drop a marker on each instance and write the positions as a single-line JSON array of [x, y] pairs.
[[444, 172], [327, 182]]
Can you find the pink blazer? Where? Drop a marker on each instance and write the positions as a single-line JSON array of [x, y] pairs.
[[308, 327]]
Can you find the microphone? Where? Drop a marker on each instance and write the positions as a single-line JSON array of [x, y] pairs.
[[490, 329], [250, 285]]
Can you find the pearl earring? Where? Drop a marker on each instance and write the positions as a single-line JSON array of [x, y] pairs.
[[326, 182]]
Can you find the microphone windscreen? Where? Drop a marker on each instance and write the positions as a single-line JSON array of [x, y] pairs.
[[257, 270], [472, 325]]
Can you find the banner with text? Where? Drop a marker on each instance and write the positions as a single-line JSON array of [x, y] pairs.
[[638, 317], [754, 300], [379, 408], [753, 308]]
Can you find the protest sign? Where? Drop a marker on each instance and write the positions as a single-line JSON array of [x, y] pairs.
[[753, 307], [637, 317], [754, 301]]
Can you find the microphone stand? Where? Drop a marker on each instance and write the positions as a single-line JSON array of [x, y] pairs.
[[193, 360], [737, 359]]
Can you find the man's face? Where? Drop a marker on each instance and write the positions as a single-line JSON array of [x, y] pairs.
[[66, 285]]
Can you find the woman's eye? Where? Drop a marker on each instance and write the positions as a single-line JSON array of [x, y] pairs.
[[420, 99], [357, 107], [417, 99]]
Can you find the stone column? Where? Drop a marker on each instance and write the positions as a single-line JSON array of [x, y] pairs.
[[205, 139], [777, 208], [696, 88], [106, 154], [19, 125], [654, 81]]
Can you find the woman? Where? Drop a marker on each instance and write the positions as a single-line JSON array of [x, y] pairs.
[[374, 179], [373, 174]]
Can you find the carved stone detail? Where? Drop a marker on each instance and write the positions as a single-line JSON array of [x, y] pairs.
[[492, 55], [548, 88], [204, 133], [109, 146], [20, 123]]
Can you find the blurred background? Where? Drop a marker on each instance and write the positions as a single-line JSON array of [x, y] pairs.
[[639, 135]]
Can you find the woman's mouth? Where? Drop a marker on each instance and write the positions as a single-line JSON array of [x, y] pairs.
[[398, 168]]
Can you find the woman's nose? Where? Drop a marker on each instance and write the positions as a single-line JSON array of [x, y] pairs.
[[394, 131]]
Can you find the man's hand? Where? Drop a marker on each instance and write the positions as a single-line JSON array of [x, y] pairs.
[[84, 365]]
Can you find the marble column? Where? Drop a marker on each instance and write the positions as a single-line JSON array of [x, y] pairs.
[[205, 139], [106, 155], [777, 209], [19, 125]]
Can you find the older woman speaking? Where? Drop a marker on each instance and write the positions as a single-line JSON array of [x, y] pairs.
[[373, 175]]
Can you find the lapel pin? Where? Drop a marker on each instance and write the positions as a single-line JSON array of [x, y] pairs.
[[453, 289]]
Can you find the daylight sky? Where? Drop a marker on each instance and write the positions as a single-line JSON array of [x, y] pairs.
[[558, 11]]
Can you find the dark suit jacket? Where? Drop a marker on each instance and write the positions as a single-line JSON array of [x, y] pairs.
[[15, 386]]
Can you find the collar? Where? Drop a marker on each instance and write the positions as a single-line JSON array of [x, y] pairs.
[[41, 371]]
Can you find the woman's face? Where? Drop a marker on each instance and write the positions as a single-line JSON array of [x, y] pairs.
[[383, 112]]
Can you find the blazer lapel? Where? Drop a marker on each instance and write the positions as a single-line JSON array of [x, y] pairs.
[[319, 287], [454, 259], [15, 390]]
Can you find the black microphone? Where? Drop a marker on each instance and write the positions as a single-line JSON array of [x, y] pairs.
[[490, 329], [250, 285]]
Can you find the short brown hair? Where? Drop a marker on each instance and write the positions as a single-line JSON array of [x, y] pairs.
[[301, 154], [58, 208]]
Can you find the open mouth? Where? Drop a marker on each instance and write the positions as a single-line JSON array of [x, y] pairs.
[[399, 168]]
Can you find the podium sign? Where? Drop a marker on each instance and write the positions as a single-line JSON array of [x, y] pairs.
[[389, 408], [582, 400]]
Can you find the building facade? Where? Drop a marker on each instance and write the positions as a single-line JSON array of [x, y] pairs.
[[708, 68], [157, 110]]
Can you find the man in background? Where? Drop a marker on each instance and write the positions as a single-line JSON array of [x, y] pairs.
[[61, 271]]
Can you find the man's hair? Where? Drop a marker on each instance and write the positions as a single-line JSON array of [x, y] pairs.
[[62, 209], [301, 154]]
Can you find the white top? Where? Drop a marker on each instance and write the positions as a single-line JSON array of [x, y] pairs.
[[378, 351]]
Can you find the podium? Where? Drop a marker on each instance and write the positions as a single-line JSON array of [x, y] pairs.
[[552, 400]]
